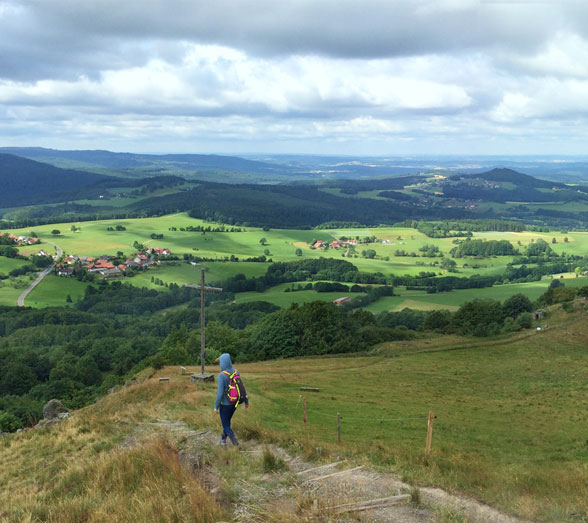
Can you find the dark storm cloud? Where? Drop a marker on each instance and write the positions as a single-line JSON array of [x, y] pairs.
[[43, 39]]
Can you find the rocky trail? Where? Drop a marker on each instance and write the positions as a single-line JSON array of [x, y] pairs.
[[296, 490]]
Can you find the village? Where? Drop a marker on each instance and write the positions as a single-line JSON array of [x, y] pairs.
[[22, 240], [352, 242], [104, 265]]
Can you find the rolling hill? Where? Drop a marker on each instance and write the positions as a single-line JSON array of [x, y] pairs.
[[506, 185], [167, 184]]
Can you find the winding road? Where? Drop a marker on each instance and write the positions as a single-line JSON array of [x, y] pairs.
[[39, 278]]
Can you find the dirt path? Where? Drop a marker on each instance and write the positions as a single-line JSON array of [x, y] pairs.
[[302, 491]]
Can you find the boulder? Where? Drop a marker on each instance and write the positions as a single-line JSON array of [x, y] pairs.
[[54, 409], [207, 377], [47, 423]]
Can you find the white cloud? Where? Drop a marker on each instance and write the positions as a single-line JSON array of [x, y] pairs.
[[295, 73], [228, 81], [565, 55], [544, 99]]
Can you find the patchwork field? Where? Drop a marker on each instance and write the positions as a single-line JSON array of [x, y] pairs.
[[93, 239]]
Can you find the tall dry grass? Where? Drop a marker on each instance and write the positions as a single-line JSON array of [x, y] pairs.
[[77, 471]]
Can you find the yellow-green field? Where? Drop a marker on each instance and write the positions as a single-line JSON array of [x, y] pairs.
[[53, 292], [278, 296], [420, 300], [92, 239]]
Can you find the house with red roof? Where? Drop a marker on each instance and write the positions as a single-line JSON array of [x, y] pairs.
[[100, 265]]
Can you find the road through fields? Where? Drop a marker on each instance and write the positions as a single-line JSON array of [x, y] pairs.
[[39, 278]]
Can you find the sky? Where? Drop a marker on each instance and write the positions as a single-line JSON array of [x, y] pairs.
[[362, 77]]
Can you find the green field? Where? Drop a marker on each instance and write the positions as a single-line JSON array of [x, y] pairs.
[[9, 264], [510, 425], [277, 296], [12, 288], [182, 273], [93, 239], [420, 300], [53, 292]]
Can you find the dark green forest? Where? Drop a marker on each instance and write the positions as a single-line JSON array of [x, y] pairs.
[[29, 186]]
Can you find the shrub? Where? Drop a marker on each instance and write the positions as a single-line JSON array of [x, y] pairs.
[[271, 463], [9, 422], [524, 320]]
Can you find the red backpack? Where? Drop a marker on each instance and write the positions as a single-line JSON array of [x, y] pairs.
[[236, 392]]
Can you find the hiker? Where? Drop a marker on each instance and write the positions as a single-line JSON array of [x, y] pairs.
[[223, 403]]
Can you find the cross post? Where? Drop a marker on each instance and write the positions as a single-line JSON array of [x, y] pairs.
[[203, 288]]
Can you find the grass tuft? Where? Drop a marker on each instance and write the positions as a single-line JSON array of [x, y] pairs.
[[415, 496], [272, 463]]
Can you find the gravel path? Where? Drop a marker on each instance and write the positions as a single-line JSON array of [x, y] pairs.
[[303, 491]]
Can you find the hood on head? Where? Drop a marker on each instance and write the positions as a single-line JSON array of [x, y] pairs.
[[225, 362]]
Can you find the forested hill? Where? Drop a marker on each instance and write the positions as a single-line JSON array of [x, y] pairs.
[[506, 185], [25, 182], [519, 179], [285, 206]]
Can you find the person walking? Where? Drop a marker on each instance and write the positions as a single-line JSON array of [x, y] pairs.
[[222, 404]]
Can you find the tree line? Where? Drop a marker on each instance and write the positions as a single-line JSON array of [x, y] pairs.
[[78, 353]]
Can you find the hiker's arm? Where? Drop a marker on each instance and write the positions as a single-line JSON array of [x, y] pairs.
[[220, 391]]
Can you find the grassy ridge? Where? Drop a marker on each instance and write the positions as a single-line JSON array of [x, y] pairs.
[[78, 472], [510, 429]]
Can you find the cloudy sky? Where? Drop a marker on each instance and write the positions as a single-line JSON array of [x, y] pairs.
[[296, 76]]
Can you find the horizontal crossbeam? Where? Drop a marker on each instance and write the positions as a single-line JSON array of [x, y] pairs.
[[199, 287]]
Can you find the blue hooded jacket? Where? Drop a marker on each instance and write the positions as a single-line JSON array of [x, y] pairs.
[[223, 381]]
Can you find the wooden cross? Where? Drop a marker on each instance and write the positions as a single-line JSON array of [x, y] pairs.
[[203, 288]]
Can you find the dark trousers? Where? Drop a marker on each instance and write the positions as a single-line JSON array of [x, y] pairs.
[[226, 413]]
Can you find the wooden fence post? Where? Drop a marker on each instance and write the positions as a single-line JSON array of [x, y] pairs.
[[429, 435], [338, 428], [304, 410]]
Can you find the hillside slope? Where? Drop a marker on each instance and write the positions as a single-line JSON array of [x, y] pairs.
[[27, 182], [510, 430]]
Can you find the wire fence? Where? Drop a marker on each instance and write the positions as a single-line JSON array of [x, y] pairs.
[[356, 418], [362, 419]]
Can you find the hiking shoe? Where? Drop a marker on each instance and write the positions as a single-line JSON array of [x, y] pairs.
[[235, 442], [222, 442]]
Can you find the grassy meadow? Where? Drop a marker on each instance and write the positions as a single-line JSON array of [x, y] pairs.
[[12, 288], [420, 300], [510, 430], [279, 297], [93, 239]]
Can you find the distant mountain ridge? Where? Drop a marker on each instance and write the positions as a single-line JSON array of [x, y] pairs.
[[155, 191], [112, 160]]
